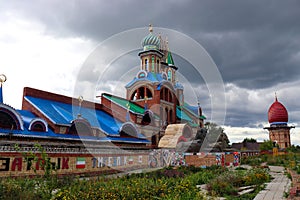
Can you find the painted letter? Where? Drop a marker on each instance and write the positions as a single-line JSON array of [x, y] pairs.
[[65, 163], [5, 163], [17, 163], [125, 160], [109, 161]]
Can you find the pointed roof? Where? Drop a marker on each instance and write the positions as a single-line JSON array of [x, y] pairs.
[[169, 59]]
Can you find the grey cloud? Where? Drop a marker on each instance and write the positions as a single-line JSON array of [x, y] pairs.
[[256, 45]]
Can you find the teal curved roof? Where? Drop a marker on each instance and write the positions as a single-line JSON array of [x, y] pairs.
[[151, 41], [133, 107]]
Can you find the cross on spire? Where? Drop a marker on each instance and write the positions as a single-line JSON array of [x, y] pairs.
[[150, 28]]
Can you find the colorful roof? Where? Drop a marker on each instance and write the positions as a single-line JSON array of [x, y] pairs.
[[277, 113], [51, 135], [193, 110], [184, 113], [125, 103], [28, 118], [134, 108], [151, 77], [151, 41], [169, 59], [178, 86], [63, 114], [181, 114]]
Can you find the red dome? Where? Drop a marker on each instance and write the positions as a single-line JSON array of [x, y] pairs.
[[277, 113]]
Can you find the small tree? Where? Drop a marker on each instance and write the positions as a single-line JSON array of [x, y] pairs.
[[266, 145], [43, 160], [251, 140], [215, 134]]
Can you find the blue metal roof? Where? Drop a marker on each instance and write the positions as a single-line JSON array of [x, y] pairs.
[[151, 77], [51, 135], [192, 110], [63, 114], [119, 139], [178, 85], [27, 117]]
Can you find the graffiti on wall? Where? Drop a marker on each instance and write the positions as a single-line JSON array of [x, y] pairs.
[[165, 157], [17, 165], [168, 157]]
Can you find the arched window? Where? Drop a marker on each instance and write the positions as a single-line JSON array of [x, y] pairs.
[[149, 93], [170, 96], [147, 117], [170, 75], [153, 63], [128, 129], [7, 121], [10, 118], [141, 93], [157, 65], [166, 94], [80, 127], [146, 65], [134, 96], [38, 125], [167, 115]]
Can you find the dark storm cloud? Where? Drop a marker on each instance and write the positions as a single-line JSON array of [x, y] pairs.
[[255, 44], [252, 43]]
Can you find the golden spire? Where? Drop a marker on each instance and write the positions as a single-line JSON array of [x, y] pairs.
[[150, 28], [80, 100], [2, 79]]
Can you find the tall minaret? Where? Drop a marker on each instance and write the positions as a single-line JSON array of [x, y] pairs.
[[279, 131], [151, 56]]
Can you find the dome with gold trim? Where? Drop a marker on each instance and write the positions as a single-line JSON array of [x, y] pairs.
[[151, 41]]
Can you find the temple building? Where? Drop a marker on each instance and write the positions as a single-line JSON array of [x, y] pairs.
[[154, 104], [279, 131], [145, 129]]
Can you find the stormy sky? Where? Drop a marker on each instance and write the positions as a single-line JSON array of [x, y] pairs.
[[254, 44]]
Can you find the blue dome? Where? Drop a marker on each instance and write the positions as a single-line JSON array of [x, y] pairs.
[[178, 86], [151, 41]]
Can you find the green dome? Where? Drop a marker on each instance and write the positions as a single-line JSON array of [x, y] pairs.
[[151, 41]]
